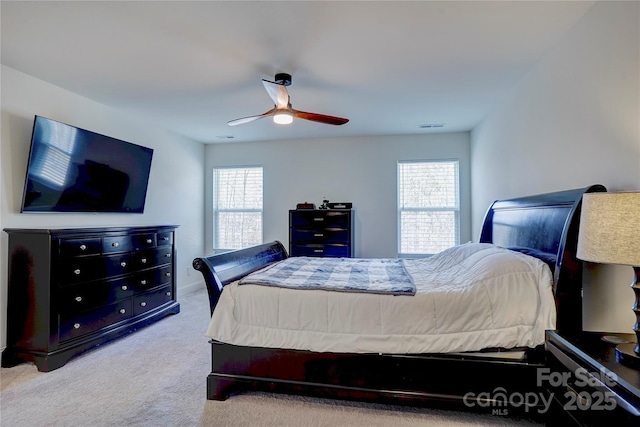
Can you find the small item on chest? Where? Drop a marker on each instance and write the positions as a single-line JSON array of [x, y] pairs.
[[340, 205], [306, 205]]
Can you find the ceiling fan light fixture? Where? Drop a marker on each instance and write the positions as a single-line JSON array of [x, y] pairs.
[[283, 118], [282, 112]]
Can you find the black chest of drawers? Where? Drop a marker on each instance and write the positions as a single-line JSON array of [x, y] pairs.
[[323, 233], [73, 289]]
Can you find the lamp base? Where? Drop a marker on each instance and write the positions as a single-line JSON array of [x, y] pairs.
[[626, 355]]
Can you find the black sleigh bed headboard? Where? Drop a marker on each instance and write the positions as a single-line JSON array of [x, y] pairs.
[[545, 226]]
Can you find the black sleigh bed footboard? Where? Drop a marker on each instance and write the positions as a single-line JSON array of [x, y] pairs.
[[221, 269]]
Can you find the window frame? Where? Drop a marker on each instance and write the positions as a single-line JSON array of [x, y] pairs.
[[455, 209], [216, 210]]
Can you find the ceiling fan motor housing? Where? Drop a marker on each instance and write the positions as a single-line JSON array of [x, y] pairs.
[[283, 79]]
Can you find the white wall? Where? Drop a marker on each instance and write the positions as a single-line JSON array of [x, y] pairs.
[[176, 184], [360, 170], [574, 120]]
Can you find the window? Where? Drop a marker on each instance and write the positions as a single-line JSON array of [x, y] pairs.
[[428, 207], [237, 207]]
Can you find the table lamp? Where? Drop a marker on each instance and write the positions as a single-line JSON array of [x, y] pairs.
[[610, 234]]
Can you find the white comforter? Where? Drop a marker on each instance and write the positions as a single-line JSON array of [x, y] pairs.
[[470, 297]]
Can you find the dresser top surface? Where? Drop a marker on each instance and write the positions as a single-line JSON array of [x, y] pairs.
[[119, 229]]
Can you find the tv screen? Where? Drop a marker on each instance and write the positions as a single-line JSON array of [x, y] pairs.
[[75, 170]]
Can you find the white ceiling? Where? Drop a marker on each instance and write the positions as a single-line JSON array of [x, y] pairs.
[[192, 66]]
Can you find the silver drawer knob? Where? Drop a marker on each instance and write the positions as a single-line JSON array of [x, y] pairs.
[[168, 294], [122, 311], [149, 241], [76, 326], [143, 260], [124, 287], [167, 274], [79, 299], [76, 272], [167, 255], [83, 247], [143, 304], [123, 264], [165, 238], [115, 244], [143, 282]]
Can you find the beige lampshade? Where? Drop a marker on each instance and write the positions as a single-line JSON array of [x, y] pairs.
[[610, 228]]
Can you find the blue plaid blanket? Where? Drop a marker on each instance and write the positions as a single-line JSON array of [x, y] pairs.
[[380, 276]]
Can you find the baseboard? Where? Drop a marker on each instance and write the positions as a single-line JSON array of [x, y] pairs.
[[190, 288]]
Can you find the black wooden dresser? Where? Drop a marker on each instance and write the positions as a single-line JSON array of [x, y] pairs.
[[73, 289]]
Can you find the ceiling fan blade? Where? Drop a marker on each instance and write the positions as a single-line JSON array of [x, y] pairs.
[[277, 92], [244, 120], [322, 118]]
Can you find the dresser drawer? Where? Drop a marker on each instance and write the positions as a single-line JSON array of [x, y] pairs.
[[75, 326], [152, 278], [79, 247], [319, 250], [85, 296], [143, 241], [165, 238], [83, 269], [153, 257], [76, 270], [164, 274], [152, 299], [327, 235], [113, 244], [321, 219]]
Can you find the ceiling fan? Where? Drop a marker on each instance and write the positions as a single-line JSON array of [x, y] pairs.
[[283, 113]]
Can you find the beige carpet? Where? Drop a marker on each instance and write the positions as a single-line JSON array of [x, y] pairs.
[[157, 377]]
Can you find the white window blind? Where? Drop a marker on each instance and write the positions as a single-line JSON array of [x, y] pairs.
[[237, 207], [428, 207]]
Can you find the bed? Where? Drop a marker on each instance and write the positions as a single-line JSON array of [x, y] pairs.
[[543, 227]]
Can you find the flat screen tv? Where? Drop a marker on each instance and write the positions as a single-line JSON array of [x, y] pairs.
[[76, 170]]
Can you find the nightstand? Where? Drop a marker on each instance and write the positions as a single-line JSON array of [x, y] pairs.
[[588, 386]]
